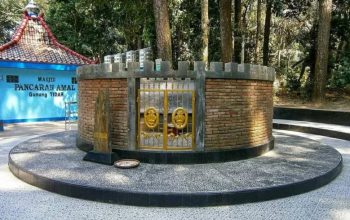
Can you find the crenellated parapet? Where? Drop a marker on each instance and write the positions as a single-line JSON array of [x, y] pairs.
[[217, 70]]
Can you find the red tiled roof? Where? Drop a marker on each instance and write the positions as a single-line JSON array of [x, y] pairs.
[[33, 41]]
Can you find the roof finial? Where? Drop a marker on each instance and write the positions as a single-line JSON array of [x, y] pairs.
[[32, 9]]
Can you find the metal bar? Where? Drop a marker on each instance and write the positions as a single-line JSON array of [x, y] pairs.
[[146, 147], [193, 118], [175, 89], [147, 105], [179, 148], [139, 118], [183, 104], [165, 126], [151, 104]]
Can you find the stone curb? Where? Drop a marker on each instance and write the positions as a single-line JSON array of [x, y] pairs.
[[172, 199], [313, 115], [167, 199], [312, 130]]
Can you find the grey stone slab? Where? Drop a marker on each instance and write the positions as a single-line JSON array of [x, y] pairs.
[[199, 68], [96, 69], [132, 113], [242, 68], [118, 67], [183, 67], [165, 68], [216, 66], [231, 67], [148, 67], [271, 72], [106, 67], [118, 75], [293, 160], [133, 67]]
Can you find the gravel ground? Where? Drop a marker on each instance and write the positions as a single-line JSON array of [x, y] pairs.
[[19, 200]]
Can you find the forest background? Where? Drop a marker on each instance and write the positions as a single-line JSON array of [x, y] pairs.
[[307, 42]]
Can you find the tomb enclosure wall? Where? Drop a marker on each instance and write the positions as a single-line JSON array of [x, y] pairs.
[[233, 102]]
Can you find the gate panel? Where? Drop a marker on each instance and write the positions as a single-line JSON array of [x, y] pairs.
[[166, 114]]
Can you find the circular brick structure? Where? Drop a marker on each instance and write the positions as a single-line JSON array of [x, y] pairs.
[[232, 111], [297, 165]]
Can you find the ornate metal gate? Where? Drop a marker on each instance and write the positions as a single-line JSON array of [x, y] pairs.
[[166, 111]]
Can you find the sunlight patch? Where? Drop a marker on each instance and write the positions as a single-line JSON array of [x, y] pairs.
[[117, 178]]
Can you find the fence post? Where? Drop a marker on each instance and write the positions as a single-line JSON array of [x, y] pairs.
[[199, 68]]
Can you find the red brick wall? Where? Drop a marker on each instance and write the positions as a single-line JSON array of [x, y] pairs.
[[237, 113], [118, 93]]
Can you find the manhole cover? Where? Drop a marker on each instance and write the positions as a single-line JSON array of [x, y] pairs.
[[126, 163]]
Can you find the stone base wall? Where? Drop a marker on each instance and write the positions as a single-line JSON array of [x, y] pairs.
[[238, 113], [118, 93]]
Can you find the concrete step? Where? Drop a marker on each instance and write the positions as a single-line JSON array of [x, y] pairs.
[[330, 130]]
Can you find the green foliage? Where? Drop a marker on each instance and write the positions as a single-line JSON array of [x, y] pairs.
[[341, 74], [214, 32], [99, 27], [293, 83], [10, 15], [86, 27], [185, 26]]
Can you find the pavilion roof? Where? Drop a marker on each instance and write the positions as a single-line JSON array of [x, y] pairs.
[[33, 41]]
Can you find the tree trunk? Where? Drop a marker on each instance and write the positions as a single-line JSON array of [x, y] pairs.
[[238, 31], [322, 45], [258, 29], [267, 32], [243, 49], [205, 31], [226, 30], [160, 8]]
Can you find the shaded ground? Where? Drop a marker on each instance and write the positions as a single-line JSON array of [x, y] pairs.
[[24, 129], [335, 100]]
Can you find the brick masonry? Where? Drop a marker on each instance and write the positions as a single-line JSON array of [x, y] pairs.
[[237, 102], [88, 91], [237, 113]]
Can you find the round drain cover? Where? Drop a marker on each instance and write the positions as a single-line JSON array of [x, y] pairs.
[[127, 163]]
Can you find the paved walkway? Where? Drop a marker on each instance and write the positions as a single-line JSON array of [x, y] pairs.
[[19, 200], [331, 127]]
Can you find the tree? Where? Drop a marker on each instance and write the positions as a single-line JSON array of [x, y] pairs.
[[161, 16], [133, 20], [258, 28], [85, 26], [225, 30], [238, 31], [322, 45], [205, 30], [11, 16], [267, 32]]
